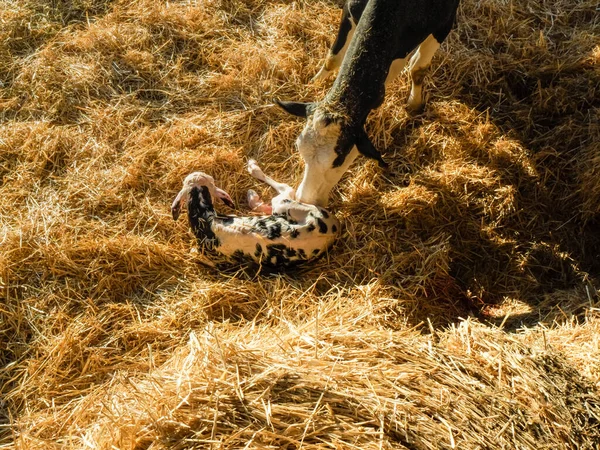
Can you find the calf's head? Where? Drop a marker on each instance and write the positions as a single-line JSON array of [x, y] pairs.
[[198, 179], [328, 145]]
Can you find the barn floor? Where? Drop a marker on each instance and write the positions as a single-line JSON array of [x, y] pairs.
[[459, 309]]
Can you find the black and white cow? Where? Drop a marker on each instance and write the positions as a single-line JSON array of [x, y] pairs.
[[374, 40], [292, 233]]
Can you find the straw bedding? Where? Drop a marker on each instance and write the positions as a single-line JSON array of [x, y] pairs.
[[458, 310]]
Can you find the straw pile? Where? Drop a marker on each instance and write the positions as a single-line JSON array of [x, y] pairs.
[[458, 310]]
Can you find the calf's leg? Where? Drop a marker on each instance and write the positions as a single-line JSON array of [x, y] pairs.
[[281, 188], [256, 204]]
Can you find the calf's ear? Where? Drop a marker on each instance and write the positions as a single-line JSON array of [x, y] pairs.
[[298, 109], [224, 196], [366, 147]]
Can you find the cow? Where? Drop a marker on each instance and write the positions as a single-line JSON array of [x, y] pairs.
[[374, 40], [291, 233]]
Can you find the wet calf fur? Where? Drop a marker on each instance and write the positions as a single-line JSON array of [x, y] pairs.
[[293, 234], [374, 40]]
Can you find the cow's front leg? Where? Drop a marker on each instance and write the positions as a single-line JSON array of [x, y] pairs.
[[336, 53]]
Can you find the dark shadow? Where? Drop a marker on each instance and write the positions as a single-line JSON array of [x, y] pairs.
[[540, 115]]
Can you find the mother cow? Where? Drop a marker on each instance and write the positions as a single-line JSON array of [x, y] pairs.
[[385, 32]]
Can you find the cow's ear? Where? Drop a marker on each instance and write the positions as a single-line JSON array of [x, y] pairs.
[[366, 147], [297, 109]]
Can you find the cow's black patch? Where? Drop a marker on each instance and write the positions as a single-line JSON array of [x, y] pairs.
[[274, 231], [301, 253], [294, 233], [238, 256], [322, 226], [276, 255], [259, 250], [289, 218], [225, 220], [201, 215], [311, 227], [290, 252], [344, 144], [324, 213], [339, 160], [388, 30], [286, 200], [262, 227]]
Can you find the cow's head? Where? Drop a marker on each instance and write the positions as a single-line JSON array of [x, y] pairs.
[[328, 145]]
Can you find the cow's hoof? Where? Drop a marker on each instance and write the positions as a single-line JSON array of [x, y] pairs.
[[415, 109]]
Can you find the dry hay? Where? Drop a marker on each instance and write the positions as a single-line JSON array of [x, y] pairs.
[[458, 310]]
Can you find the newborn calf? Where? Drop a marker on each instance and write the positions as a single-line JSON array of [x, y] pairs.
[[292, 233]]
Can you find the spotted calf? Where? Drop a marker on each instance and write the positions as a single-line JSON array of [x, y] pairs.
[[374, 41], [292, 233]]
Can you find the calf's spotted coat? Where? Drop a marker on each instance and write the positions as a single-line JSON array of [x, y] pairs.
[[294, 233]]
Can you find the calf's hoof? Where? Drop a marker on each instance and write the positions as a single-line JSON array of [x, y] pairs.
[[253, 199]]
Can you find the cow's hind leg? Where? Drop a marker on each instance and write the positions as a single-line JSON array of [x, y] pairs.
[[395, 69], [419, 63]]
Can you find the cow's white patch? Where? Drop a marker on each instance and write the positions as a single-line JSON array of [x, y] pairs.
[[419, 63], [316, 144], [395, 69]]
